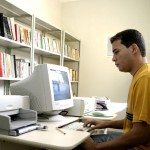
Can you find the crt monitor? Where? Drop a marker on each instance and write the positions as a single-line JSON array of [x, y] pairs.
[[48, 87]]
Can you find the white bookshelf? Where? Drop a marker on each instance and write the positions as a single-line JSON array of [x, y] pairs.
[[10, 46], [37, 53], [71, 59]]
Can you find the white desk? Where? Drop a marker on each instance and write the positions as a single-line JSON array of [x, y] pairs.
[[116, 107], [50, 139], [113, 109]]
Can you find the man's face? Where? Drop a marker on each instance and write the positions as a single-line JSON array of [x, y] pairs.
[[122, 56]]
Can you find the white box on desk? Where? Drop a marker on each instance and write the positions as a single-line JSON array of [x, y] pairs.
[[82, 105], [10, 104]]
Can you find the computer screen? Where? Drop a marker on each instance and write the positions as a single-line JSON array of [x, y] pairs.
[[48, 87]]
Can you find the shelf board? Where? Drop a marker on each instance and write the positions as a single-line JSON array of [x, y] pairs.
[[47, 53], [74, 81], [10, 79], [8, 43], [66, 58]]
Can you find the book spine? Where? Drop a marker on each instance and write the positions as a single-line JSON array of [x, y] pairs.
[[13, 66], [17, 32], [1, 64], [15, 69], [8, 66], [1, 25], [12, 24], [6, 27]]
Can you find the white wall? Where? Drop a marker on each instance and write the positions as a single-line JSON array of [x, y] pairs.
[[92, 21]]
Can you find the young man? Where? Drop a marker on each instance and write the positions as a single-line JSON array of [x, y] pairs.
[[129, 55]]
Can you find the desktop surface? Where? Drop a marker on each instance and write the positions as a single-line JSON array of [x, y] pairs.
[[109, 114], [53, 138], [103, 115], [50, 138]]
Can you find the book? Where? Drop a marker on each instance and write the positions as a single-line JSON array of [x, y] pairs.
[[1, 25], [26, 36], [4, 65], [66, 50], [22, 68], [50, 45], [73, 75], [77, 55], [73, 53], [47, 43], [29, 36], [39, 39], [17, 32], [43, 42], [22, 35], [8, 65], [13, 66], [70, 51], [54, 45], [10, 27], [36, 39], [58, 46], [26, 69], [70, 72], [76, 75], [6, 28], [19, 67], [12, 24], [1, 64]]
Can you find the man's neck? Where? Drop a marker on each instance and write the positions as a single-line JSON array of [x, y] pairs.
[[138, 65]]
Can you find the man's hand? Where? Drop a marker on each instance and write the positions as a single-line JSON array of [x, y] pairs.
[[93, 124]]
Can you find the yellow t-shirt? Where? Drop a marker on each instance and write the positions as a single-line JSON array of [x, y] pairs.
[[138, 108]]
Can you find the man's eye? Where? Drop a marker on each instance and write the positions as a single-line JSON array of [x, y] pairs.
[[116, 52]]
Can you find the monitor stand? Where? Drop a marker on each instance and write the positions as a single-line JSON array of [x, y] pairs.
[[50, 118]]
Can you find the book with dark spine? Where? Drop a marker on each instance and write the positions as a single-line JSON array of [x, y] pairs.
[[1, 25], [7, 28]]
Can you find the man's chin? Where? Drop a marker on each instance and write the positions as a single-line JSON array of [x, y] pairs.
[[121, 70]]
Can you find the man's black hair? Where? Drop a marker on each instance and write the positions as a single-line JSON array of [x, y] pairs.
[[129, 37]]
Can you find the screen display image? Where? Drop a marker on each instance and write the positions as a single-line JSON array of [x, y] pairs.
[[61, 86]]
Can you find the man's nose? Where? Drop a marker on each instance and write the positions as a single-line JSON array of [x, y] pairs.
[[113, 58]]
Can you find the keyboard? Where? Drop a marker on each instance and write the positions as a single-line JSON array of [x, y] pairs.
[[51, 118], [76, 126]]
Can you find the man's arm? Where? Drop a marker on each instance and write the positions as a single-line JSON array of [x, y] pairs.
[[100, 124], [116, 124], [138, 135]]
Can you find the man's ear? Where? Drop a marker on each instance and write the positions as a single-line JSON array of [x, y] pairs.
[[135, 48]]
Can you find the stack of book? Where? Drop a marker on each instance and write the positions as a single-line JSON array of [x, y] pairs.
[[12, 30], [73, 74], [71, 52], [43, 41], [13, 68]]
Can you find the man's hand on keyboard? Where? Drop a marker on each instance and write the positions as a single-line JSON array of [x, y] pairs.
[[83, 129], [76, 126], [93, 124]]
